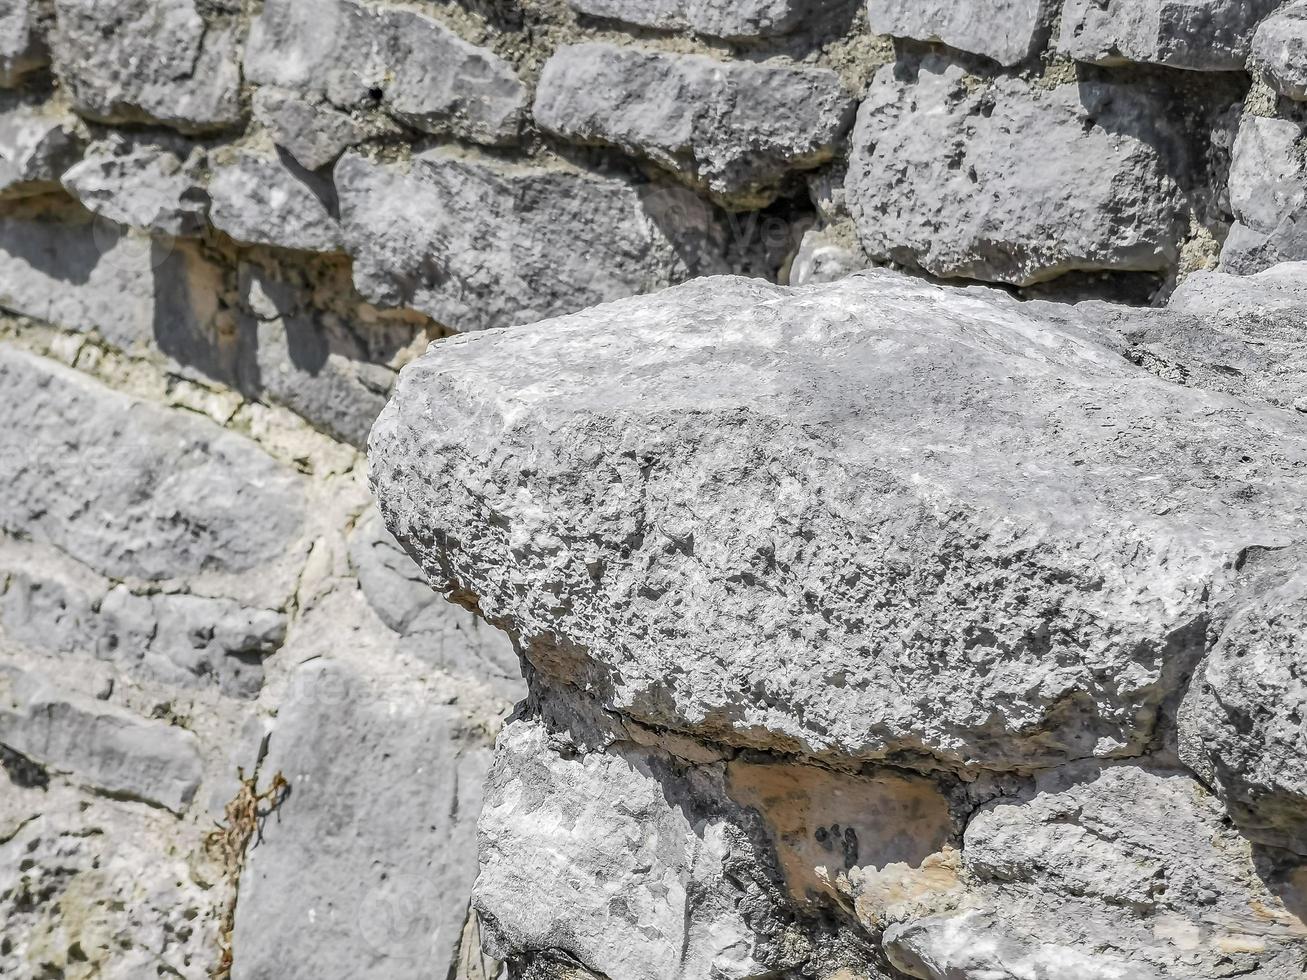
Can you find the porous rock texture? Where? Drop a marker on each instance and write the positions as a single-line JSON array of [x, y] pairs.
[[241, 734], [881, 627]]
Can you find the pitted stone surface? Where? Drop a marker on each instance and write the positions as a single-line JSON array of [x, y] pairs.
[[1032, 185], [152, 61], [476, 243], [411, 65], [735, 128], [1279, 50], [1008, 31], [1207, 35], [812, 553], [731, 19]]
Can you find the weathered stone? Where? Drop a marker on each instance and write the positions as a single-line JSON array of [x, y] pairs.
[[102, 889], [377, 839], [731, 19], [147, 187], [1279, 50], [136, 491], [313, 133], [148, 61], [22, 46], [1242, 725], [823, 257], [1033, 183], [263, 201], [100, 745], [639, 891], [1268, 194], [998, 566], [411, 65], [434, 631], [1206, 35], [36, 145], [1121, 874], [734, 127], [476, 243], [1008, 31]]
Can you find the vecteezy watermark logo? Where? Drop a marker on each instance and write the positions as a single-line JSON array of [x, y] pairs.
[[130, 249], [400, 917]]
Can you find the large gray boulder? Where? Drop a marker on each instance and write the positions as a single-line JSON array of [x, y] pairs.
[[1268, 194], [367, 868], [1279, 50], [1008, 31], [734, 127], [1034, 183], [22, 41], [267, 200], [477, 243], [154, 61], [409, 64], [876, 520], [1204, 35], [102, 746], [140, 493], [736, 20]]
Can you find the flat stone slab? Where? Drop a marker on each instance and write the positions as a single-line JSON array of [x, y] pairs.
[[1008, 31], [879, 519]]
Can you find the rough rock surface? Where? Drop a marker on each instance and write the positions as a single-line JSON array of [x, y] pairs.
[[146, 187], [263, 201], [412, 65], [1279, 50], [148, 61], [313, 133], [733, 627], [476, 243], [1034, 184], [1206, 35], [22, 48], [1268, 194], [1008, 31], [730, 19], [35, 147], [733, 127]]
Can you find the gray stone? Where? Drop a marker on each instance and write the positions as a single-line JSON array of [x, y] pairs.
[[1241, 727], [998, 565], [408, 64], [823, 257], [148, 61], [737, 20], [36, 144], [146, 187], [1126, 872], [367, 868], [262, 200], [1279, 50], [735, 128], [1010, 183], [1268, 194], [102, 746], [136, 491], [476, 243], [313, 133], [1204, 35], [1008, 31], [22, 45], [92, 888]]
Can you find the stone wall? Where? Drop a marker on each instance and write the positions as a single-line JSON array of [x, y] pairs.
[[226, 225]]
